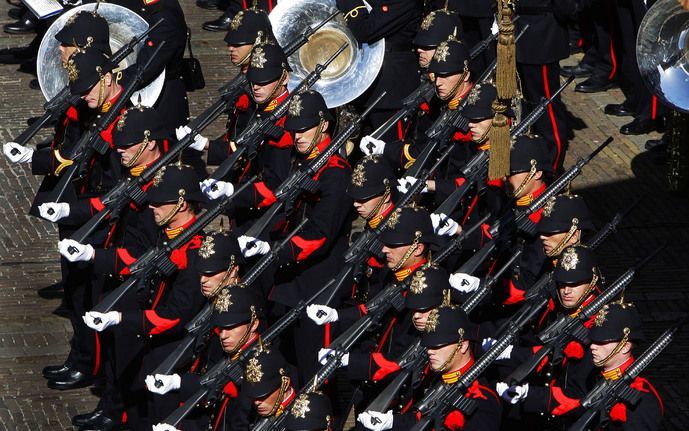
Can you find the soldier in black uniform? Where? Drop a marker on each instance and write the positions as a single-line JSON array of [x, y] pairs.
[[564, 220], [397, 21], [539, 70], [448, 337], [555, 383], [224, 22], [268, 384]]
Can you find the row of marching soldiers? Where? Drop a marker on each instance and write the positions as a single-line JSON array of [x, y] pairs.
[[296, 335]]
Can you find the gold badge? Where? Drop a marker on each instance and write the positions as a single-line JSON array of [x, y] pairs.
[[295, 107], [254, 374], [570, 259], [549, 207], [258, 58], [418, 283], [601, 316], [158, 179], [301, 406], [72, 71], [442, 52], [394, 218], [428, 21], [223, 301], [359, 175], [432, 321], [207, 248], [474, 95], [121, 121], [237, 20]]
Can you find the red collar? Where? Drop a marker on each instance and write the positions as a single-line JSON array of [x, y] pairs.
[[276, 101], [375, 221], [105, 107], [454, 102], [172, 232], [404, 273], [616, 373], [453, 376], [319, 148], [527, 199], [285, 402]]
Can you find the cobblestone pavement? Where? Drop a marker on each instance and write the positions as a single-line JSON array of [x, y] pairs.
[[32, 336]]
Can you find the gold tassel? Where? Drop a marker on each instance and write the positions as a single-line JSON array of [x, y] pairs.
[[499, 136], [506, 69]]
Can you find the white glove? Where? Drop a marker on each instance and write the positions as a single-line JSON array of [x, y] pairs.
[[444, 225], [100, 321], [325, 353], [512, 394], [464, 282], [321, 314], [16, 153], [215, 189], [200, 141], [54, 211], [370, 145], [74, 251], [487, 343], [251, 246], [164, 427], [376, 421], [405, 183], [163, 383]]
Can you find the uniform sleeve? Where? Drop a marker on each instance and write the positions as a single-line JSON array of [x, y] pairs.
[[401, 155], [384, 19], [175, 37], [326, 218], [82, 210]]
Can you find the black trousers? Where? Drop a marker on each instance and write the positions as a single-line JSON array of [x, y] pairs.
[[541, 81]]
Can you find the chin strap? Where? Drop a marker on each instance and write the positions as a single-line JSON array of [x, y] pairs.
[[529, 177], [281, 395], [451, 93], [407, 255], [316, 139], [449, 360], [616, 350], [562, 244], [174, 211], [139, 152], [379, 205]]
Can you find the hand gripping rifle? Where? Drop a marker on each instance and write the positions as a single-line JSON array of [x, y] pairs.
[[302, 180], [426, 91], [249, 140], [199, 327], [444, 398], [556, 336], [368, 243], [231, 370], [413, 359], [91, 142], [541, 291], [607, 393], [64, 99], [156, 262]]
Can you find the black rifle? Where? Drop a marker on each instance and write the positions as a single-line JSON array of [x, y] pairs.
[[607, 393], [156, 261], [199, 327], [91, 142], [64, 99], [558, 333], [443, 398], [536, 113], [249, 140], [302, 180], [229, 369], [426, 91]]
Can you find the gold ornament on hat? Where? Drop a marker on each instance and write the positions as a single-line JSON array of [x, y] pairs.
[[601, 316], [432, 321], [258, 58], [72, 71], [237, 20], [570, 259], [207, 248], [442, 52], [121, 121], [359, 175], [418, 283], [158, 178], [428, 21], [474, 95], [295, 107], [223, 301], [549, 207], [301, 406], [394, 218], [254, 373]]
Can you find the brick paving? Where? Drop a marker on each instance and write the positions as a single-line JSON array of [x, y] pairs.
[[31, 336]]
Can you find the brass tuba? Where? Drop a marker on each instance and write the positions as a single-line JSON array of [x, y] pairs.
[[662, 53], [350, 74], [124, 25]]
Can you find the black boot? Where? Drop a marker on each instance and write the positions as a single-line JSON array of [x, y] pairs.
[[220, 24]]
